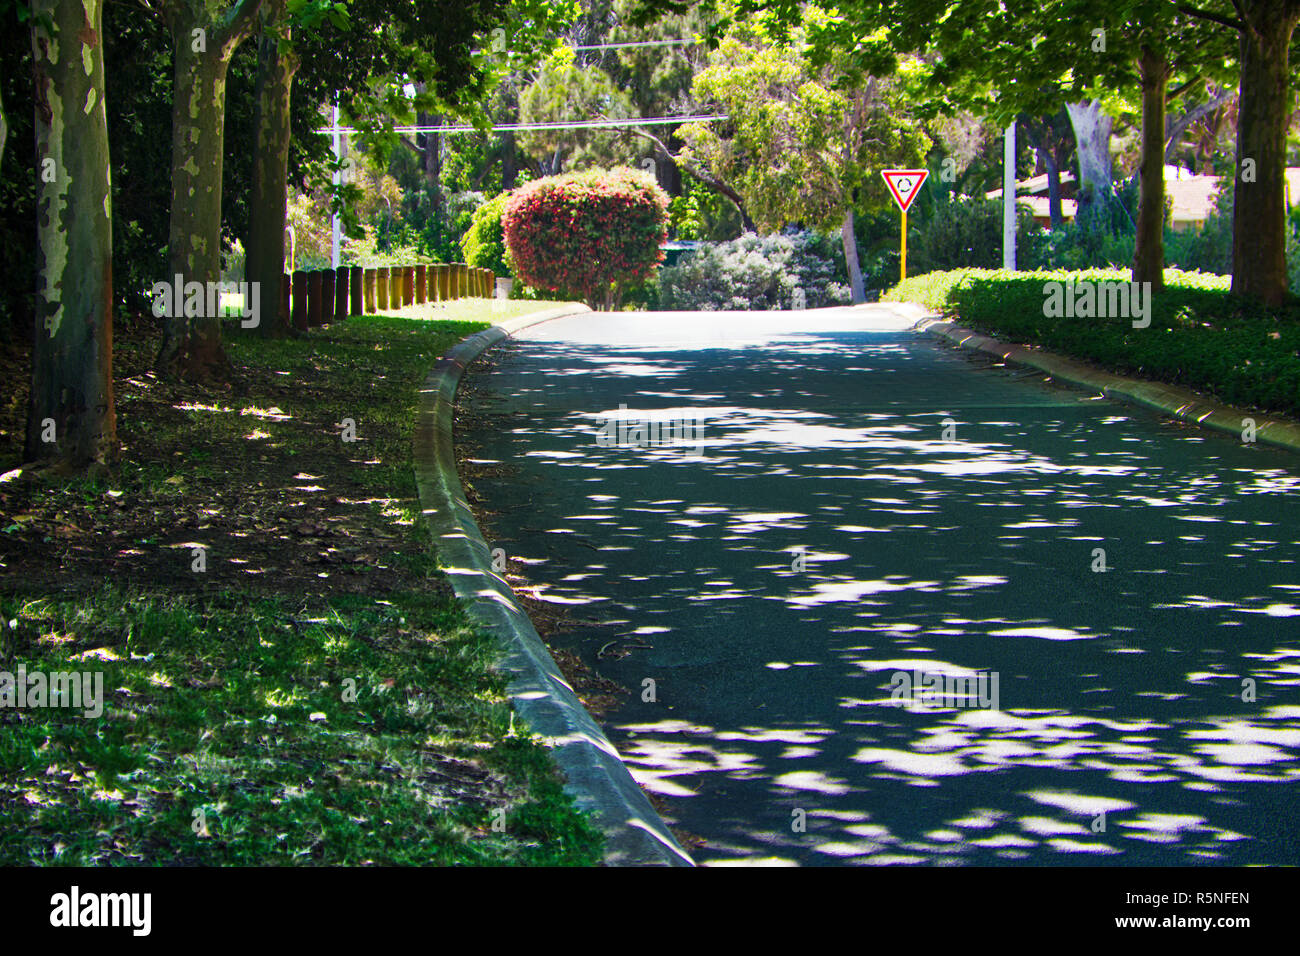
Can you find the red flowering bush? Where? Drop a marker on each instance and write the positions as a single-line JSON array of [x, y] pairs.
[[582, 234]]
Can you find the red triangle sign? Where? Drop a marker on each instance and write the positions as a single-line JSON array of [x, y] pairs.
[[905, 184]]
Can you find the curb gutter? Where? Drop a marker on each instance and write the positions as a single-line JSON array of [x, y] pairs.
[[1172, 400], [598, 780]]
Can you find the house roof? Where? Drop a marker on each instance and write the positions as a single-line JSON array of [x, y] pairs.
[[1033, 186]]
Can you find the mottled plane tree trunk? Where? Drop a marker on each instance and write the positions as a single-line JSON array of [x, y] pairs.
[[1092, 130], [202, 47], [269, 212], [71, 418], [1259, 226]]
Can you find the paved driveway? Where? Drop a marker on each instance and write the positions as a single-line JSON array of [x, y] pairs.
[[866, 510]]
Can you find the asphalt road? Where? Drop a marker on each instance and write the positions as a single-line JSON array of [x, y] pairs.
[[826, 533]]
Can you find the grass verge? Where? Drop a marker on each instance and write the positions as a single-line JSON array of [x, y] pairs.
[[287, 679]]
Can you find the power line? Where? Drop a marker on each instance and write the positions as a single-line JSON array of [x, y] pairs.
[[524, 127], [617, 46]]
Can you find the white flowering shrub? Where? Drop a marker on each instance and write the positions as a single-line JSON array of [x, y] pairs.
[[757, 273]]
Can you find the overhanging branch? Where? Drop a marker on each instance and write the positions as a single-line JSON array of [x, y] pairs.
[[703, 175], [1222, 21]]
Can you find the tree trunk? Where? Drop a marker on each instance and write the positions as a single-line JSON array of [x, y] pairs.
[[1149, 257], [191, 347], [432, 161], [71, 416], [4, 130], [1092, 136], [850, 240], [509, 161], [268, 215], [1055, 215], [1259, 213]]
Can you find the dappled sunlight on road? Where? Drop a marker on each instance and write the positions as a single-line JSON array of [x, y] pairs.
[[863, 504]]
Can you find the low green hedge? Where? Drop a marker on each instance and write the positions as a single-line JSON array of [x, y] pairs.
[[1200, 336]]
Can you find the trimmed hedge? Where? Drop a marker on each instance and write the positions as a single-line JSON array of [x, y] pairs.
[[584, 233], [1201, 336]]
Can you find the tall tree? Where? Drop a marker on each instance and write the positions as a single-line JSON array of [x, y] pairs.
[[204, 38], [71, 416], [445, 48], [801, 144], [564, 90], [1264, 29], [277, 63], [1034, 57]]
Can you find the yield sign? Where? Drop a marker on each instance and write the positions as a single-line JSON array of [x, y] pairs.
[[905, 184]]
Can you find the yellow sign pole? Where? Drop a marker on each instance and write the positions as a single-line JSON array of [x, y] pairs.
[[903, 257]]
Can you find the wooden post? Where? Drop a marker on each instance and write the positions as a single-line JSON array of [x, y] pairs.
[[443, 287], [300, 301], [395, 293], [341, 293], [369, 281], [354, 281], [421, 284], [326, 296], [382, 286], [408, 285], [315, 281], [286, 285]]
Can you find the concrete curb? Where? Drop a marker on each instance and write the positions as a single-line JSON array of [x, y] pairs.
[[598, 780], [1174, 401]]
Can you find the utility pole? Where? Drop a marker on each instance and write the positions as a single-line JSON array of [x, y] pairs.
[[338, 179], [1009, 199]]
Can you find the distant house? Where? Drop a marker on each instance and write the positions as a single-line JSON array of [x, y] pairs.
[[1192, 196], [1032, 192]]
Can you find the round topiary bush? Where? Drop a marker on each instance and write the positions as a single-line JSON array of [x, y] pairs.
[[583, 234]]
